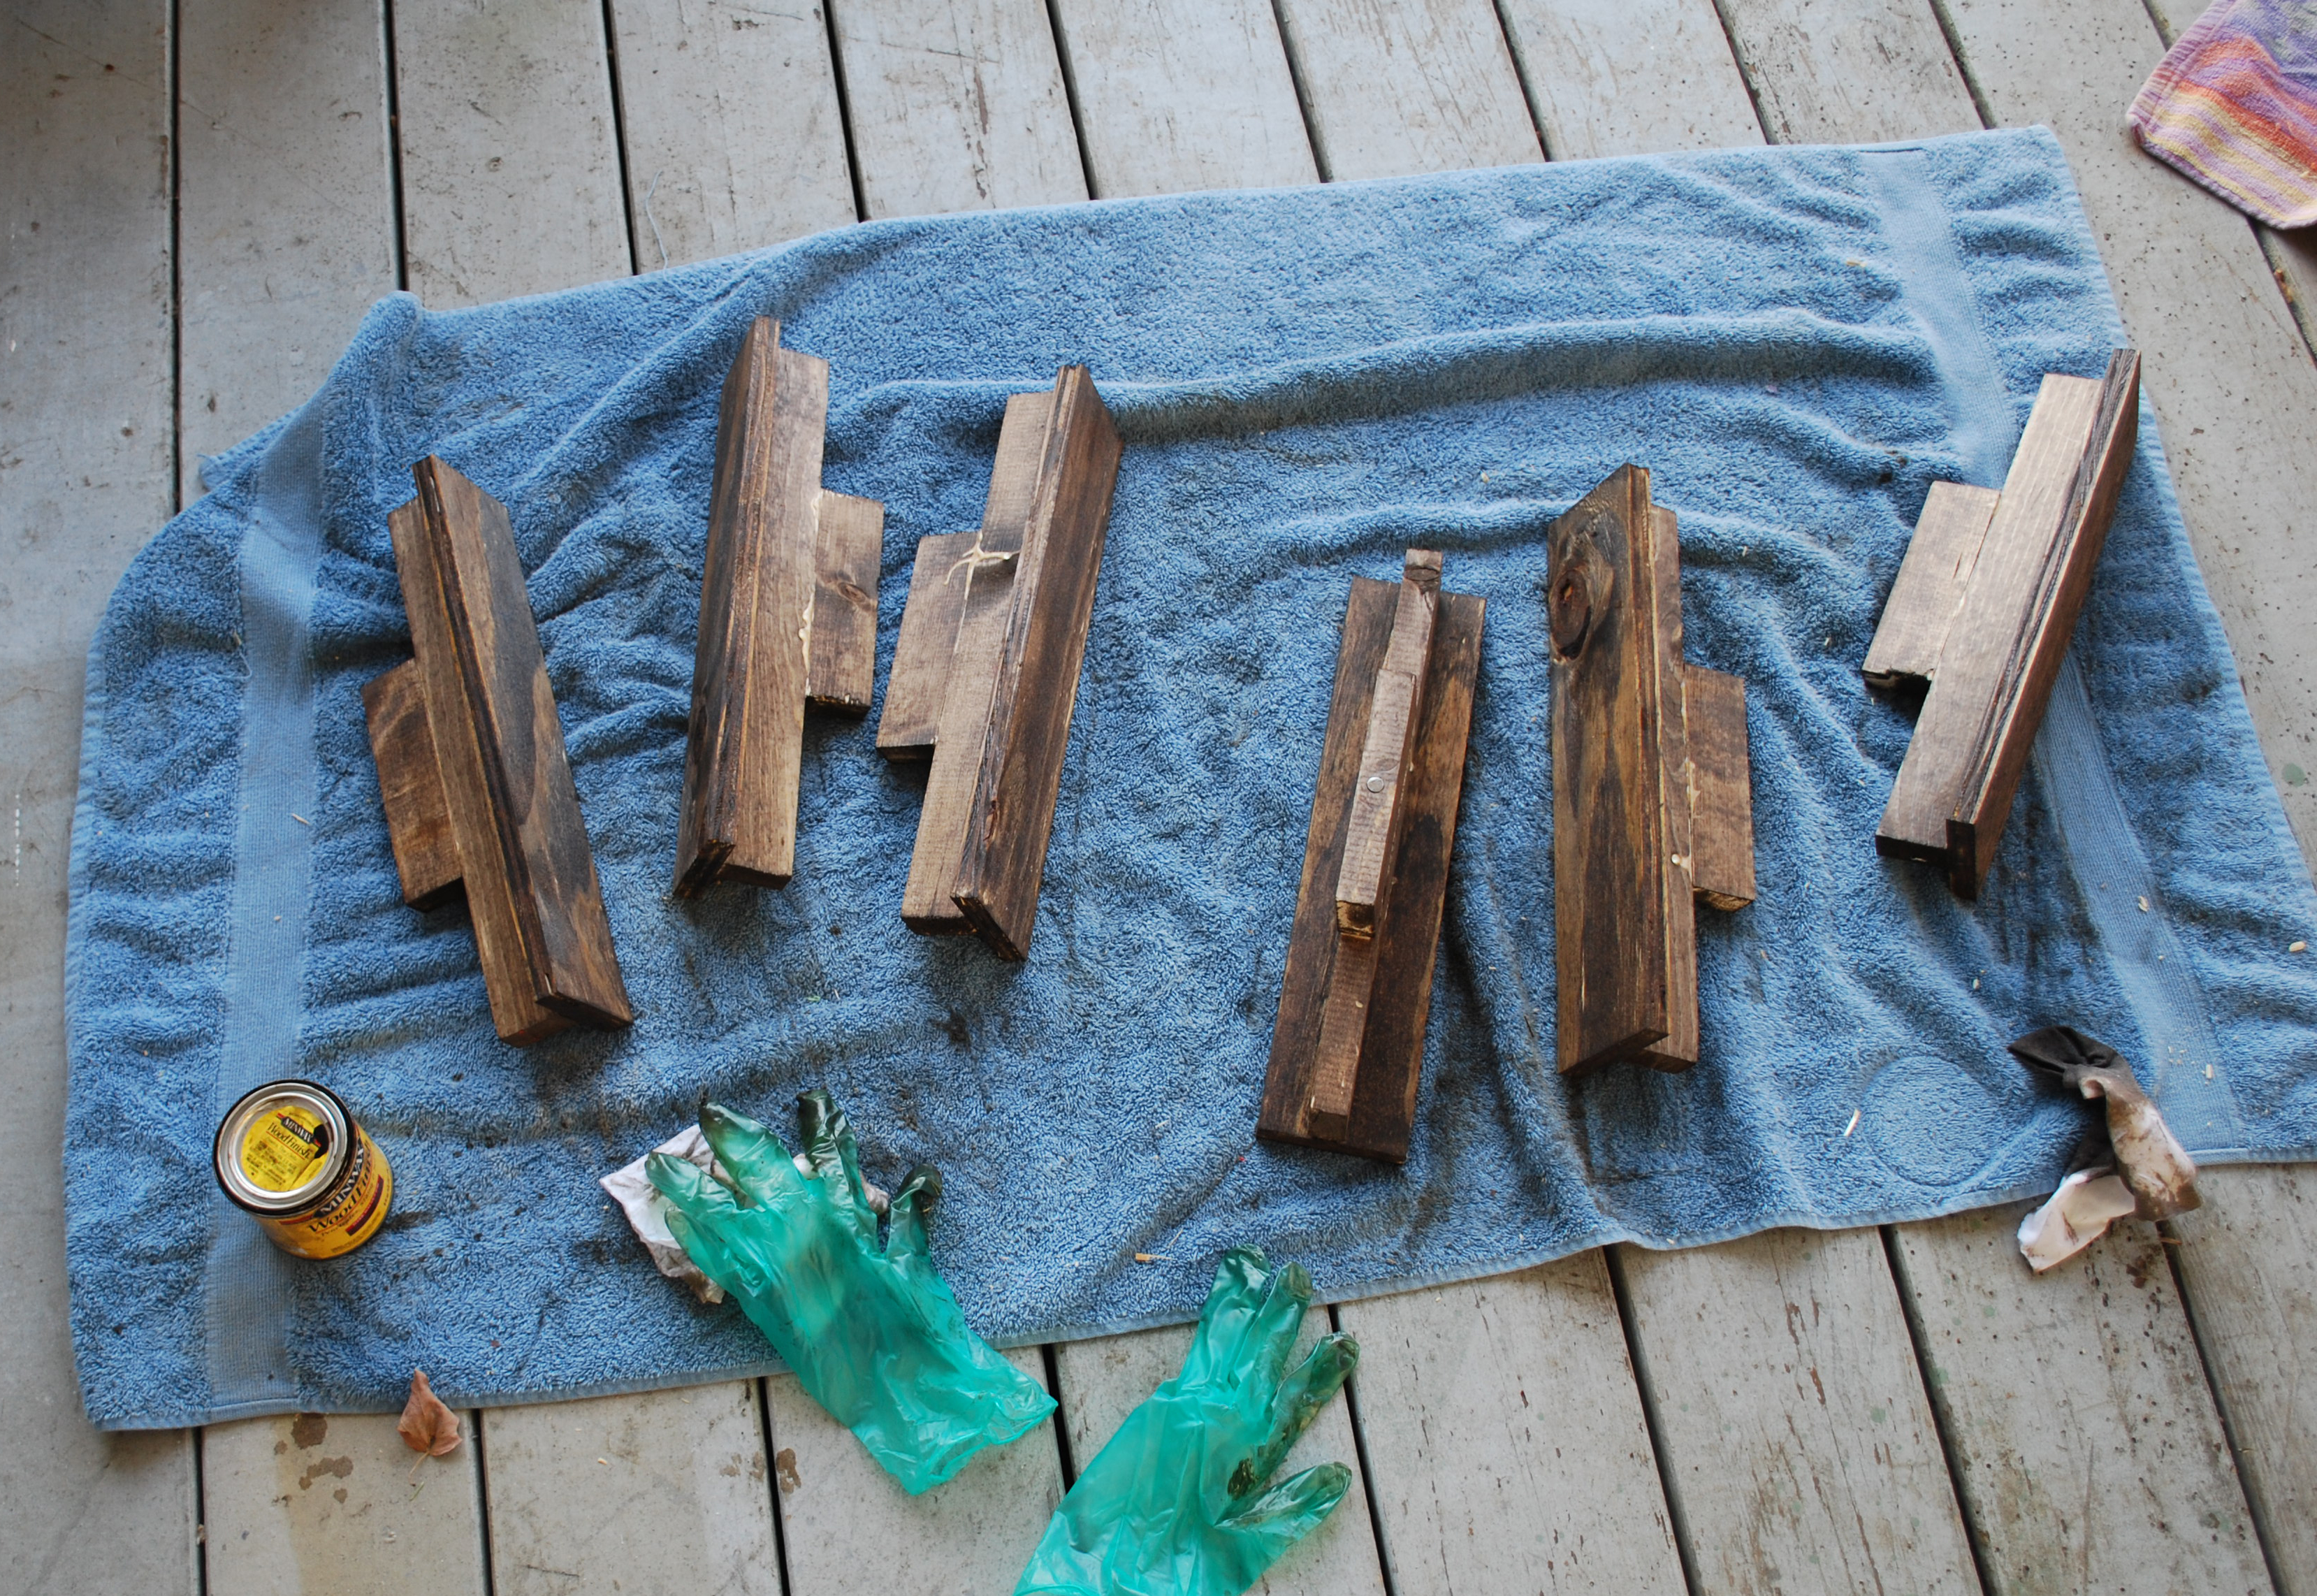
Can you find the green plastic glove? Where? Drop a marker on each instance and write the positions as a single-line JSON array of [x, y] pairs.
[[872, 1333], [1176, 1503]]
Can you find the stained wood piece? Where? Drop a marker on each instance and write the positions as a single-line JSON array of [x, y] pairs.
[[843, 671], [1932, 580], [1347, 1047], [1009, 682], [909, 724], [2002, 649], [417, 815], [1389, 750], [1721, 789], [788, 611], [514, 814], [1645, 786]]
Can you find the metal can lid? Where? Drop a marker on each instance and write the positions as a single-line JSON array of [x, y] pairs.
[[282, 1147]]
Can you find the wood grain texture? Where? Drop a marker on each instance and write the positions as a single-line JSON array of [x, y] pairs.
[[1100, 1382], [1315, 945], [843, 671], [510, 168], [1391, 89], [662, 1493], [410, 787], [2003, 648], [1849, 71], [1038, 667], [1666, 708], [1614, 964], [1507, 1441], [1174, 95], [1797, 1444], [1721, 789], [956, 107], [850, 1528], [1930, 586], [2228, 373], [1388, 747], [2085, 1439], [309, 1505], [929, 899], [537, 910], [89, 394], [1611, 78], [734, 138], [745, 740], [982, 571], [1347, 1046], [911, 720], [285, 208], [2248, 1262]]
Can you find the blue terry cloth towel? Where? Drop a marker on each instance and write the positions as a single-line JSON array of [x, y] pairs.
[[1796, 341]]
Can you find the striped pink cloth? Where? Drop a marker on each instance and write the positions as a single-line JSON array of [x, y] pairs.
[[2234, 106]]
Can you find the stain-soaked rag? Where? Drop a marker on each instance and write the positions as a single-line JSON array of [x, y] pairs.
[[1796, 341]]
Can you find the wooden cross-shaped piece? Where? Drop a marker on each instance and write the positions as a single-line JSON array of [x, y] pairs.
[[1348, 1049]]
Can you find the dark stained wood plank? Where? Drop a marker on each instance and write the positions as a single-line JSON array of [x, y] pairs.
[[417, 815], [1313, 941], [1665, 706], [1389, 749], [920, 679], [908, 724], [843, 671], [1392, 969], [1954, 787], [1721, 789], [1608, 831], [982, 571], [1037, 681], [1379, 815], [1392, 1054], [745, 737], [1930, 586], [929, 900], [539, 925]]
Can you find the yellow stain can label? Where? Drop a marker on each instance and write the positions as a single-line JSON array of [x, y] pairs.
[[292, 1156]]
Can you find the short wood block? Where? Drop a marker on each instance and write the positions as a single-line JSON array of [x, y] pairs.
[[1347, 1047], [843, 671], [1932, 580], [1722, 805], [1993, 650], [1007, 682], [1651, 804], [478, 689], [417, 815], [909, 724], [788, 612]]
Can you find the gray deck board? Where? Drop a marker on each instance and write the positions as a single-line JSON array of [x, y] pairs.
[[735, 138], [1506, 1438], [285, 208], [87, 471], [1797, 1442], [297, 1506], [1392, 88], [511, 158], [2076, 1408]]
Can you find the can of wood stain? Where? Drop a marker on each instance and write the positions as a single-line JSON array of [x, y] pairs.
[[290, 1156]]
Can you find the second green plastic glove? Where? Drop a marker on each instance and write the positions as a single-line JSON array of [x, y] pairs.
[[872, 1330], [1176, 1502]]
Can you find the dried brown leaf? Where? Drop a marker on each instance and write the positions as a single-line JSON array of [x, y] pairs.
[[427, 1424]]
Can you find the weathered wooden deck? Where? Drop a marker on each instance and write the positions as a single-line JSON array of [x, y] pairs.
[[201, 198]]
